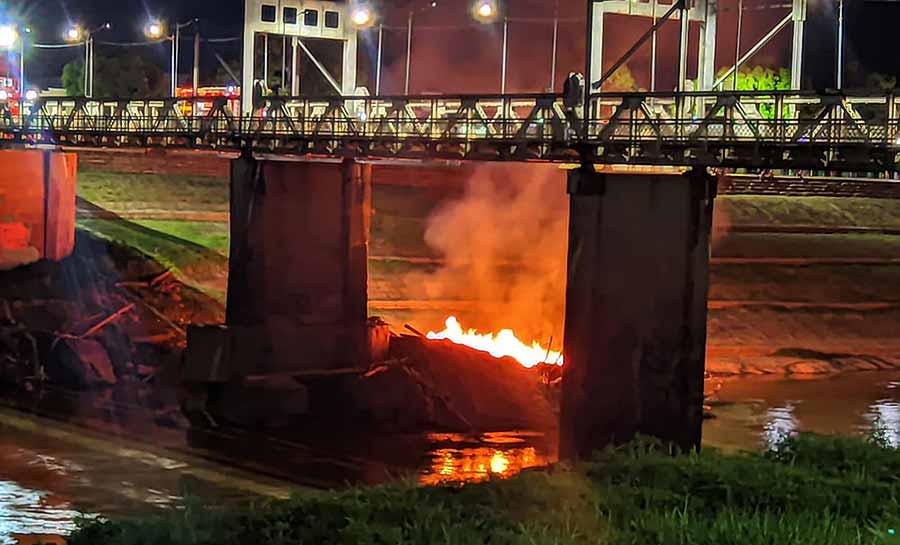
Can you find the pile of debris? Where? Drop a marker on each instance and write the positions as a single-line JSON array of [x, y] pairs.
[[439, 385], [82, 324]]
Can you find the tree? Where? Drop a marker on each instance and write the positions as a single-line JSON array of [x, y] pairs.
[[622, 81], [73, 78], [881, 82], [120, 76], [759, 78]]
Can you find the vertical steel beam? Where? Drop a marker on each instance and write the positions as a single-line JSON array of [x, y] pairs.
[[295, 70], [596, 43], [708, 34], [348, 78], [653, 6], [683, 46], [265, 77], [737, 46], [799, 17]]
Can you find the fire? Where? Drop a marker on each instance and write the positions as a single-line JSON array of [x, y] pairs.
[[504, 343]]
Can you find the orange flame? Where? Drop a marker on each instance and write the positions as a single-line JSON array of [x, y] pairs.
[[504, 343]]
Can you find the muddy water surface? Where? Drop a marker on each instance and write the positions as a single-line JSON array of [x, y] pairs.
[[46, 481]]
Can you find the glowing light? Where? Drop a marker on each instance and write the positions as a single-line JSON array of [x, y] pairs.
[[8, 36], [362, 16], [74, 34], [505, 343], [154, 30], [31, 94], [486, 10], [4, 95]]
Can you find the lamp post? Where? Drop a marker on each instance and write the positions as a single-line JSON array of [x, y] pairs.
[[487, 12], [176, 49], [155, 29], [409, 33], [840, 46], [76, 33]]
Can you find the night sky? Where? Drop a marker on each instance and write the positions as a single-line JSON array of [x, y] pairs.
[[467, 60]]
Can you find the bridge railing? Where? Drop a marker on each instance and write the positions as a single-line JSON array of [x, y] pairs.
[[644, 128], [760, 117]]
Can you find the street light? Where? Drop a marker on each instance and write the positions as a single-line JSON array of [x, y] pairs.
[[486, 11], [154, 29], [409, 33], [74, 34], [77, 33], [8, 36], [362, 16]]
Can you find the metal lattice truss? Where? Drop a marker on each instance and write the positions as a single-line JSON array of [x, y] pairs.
[[742, 129]]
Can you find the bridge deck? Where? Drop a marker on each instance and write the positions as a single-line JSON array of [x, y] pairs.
[[736, 129]]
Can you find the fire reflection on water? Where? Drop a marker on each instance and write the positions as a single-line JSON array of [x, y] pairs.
[[502, 457]]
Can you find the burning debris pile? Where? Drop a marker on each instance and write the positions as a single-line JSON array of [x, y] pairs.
[[440, 385]]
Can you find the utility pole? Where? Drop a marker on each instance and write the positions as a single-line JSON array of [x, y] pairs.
[[737, 47], [409, 28], [505, 55], [379, 61], [840, 46], [196, 85]]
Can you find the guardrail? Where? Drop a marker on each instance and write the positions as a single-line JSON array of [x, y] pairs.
[[731, 129]]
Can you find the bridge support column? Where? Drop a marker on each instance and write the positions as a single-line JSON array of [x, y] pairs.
[[635, 332], [298, 264], [37, 206]]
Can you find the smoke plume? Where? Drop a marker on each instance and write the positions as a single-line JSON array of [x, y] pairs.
[[504, 244]]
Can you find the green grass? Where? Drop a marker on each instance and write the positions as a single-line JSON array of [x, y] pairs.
[[122, 192], [214, 236], [180, 252], [824, 211], [810, 490]]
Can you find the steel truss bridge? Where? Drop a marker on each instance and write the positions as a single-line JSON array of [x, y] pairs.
[[766, 129]]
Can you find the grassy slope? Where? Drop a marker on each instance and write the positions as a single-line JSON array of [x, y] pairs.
[[825, 211], [122, 192], [812, 490]]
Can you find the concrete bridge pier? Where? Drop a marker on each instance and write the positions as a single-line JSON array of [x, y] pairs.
[[299, 261], [635, 331]]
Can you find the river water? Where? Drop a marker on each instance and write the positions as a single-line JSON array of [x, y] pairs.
[[47, 479]]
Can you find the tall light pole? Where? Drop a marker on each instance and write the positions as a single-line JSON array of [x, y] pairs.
[[737, 47], [76, 33], [840, 46], [176, 49], [409, 34], [155, 29], [553, 53], [409, 28], [487, 12]]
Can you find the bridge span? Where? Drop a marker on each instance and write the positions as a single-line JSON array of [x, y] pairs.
[[760, 129]]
